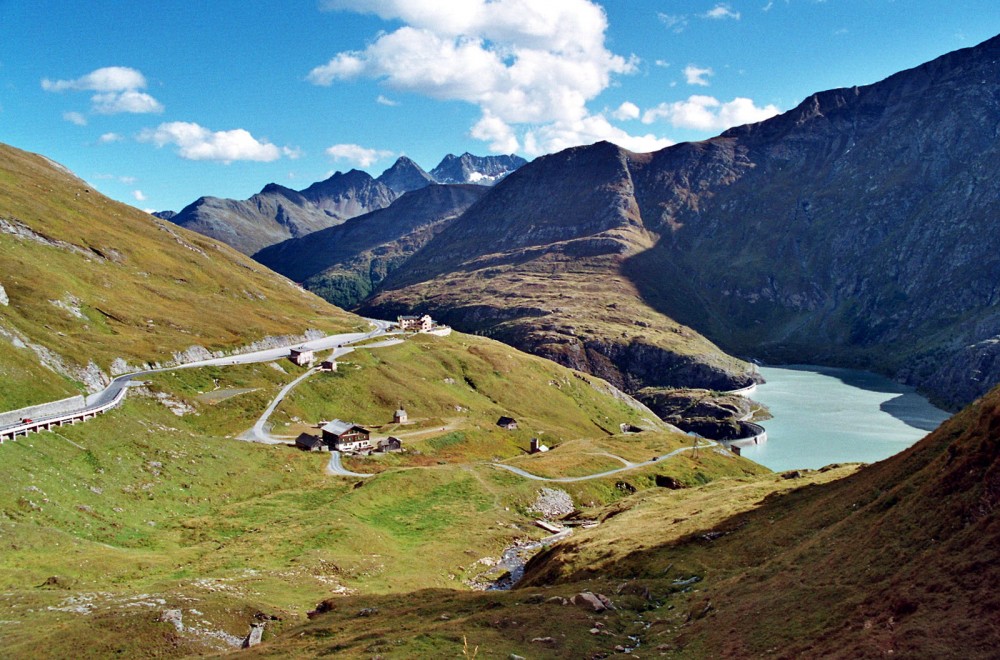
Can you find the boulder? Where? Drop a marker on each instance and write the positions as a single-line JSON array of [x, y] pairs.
[[589, 600]]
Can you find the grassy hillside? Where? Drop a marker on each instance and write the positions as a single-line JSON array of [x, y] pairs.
[[898, 558], [110, 523], [89, 280]]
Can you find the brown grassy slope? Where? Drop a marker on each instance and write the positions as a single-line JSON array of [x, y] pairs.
[[903, 556], [91, 279], [537, 263]]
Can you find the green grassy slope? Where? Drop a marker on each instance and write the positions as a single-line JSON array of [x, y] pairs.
[[91, 280], [113, 521]]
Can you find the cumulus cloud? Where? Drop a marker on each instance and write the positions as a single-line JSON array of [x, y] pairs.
[[524, 64], [139, 195], [107, 138], [75, 118], [587, 130], [696, 75], [626, 111], [384, 100], [117, 90], [196, 142], [722, 11], [705, 113], [356, 154]]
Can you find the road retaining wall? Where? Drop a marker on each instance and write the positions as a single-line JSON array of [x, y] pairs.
[[42, 410]]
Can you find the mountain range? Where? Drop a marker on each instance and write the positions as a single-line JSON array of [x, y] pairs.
[[278, 213], [856, 229]]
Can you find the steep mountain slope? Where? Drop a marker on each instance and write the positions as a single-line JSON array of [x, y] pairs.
[[343, 264], [87, 282], [475, 169], [537, 264], [404, 176], [900, 558], [278, 213], [855, 229]]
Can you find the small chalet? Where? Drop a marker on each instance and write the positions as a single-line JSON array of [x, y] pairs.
[[389, 444], [328, 365], [400, 417], [301, 356], [344, 436], [415, 323], [309, 442], [508, 423]]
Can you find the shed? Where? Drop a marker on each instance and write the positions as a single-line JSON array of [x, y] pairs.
[[508, 423], [345, 436], [309, 442], [328, 365], [389, 444]]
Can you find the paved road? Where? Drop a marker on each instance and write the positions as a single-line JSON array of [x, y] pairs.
[[336, 342], [633, 466], [335, 467]]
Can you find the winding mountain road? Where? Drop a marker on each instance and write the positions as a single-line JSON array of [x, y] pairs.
[[97, 401], [631, 466]]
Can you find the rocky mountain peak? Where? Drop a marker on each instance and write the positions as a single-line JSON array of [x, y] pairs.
[[404, 176]]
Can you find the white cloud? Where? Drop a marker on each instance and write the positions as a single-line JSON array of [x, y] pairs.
[[528, 66], [356, 154], [768, 6], [139, 195], [722, 11], [626, 111], [111, 103], [117, 90], [706, 113], [108, 79], [75, 118], [107, 138], [674, 22], [497, 132], [587, 130], [195, 142], [696, 75], [662, 63], [384, 100]]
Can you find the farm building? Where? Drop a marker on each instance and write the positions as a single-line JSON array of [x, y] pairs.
[[309, 442], [345, 436], [301, 356], [508, 423], [389, 444]]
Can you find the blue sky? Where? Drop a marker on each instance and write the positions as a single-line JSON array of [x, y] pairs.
[[159, 103]]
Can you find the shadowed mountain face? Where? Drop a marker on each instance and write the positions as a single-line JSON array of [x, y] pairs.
[[346, 262], [278, 213], [856, 229]]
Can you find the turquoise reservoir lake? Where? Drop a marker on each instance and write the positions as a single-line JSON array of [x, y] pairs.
[[825, 415]]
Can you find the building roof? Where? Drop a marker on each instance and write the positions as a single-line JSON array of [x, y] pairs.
[[504, 421], [338, 427], [401, 411], [308, 440]]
